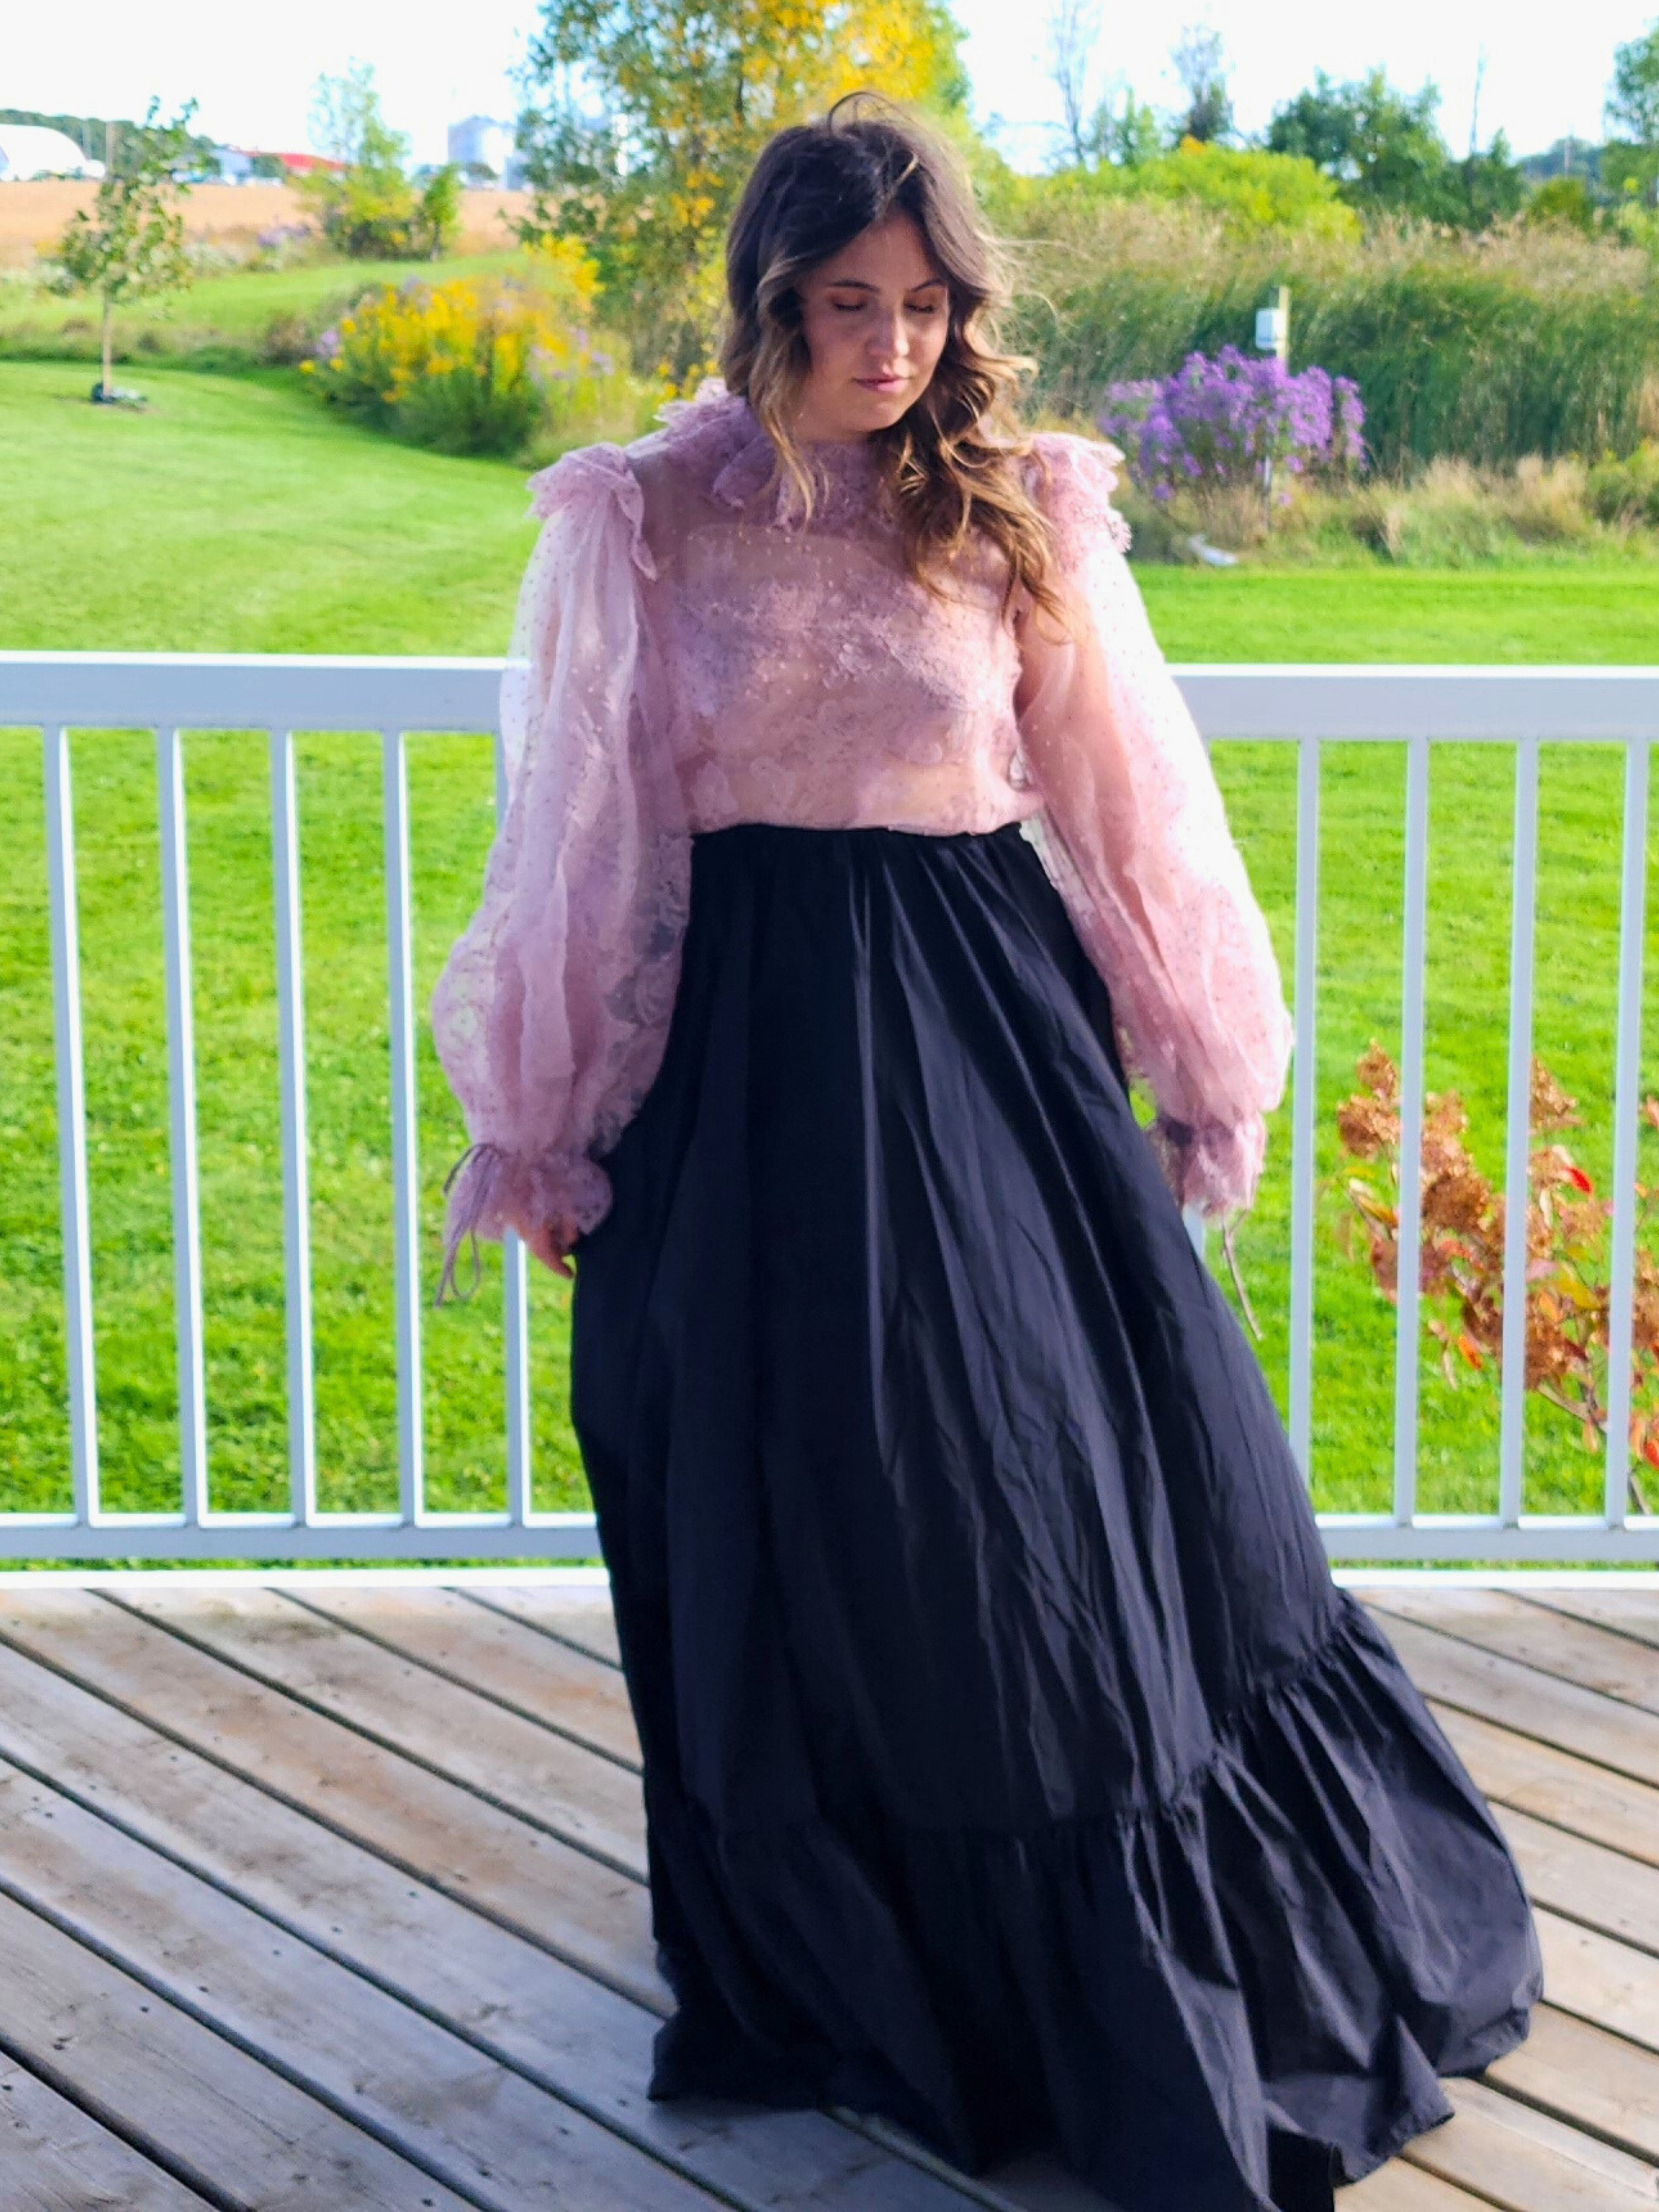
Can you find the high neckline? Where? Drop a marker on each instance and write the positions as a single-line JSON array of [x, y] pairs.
[[843, 473]]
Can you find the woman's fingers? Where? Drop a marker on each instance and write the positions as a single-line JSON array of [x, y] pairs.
[[550, 1240]]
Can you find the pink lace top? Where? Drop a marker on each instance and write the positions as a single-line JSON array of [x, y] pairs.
[[689, 652]]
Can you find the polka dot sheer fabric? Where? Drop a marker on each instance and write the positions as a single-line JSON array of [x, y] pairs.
[[693, 647]]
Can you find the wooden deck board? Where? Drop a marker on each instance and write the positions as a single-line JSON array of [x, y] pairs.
[[1585, 2075], [56, 2158], [227, 2124], [1524, 2160], [1627, 1612], [583, 1617], [1585, 1881], [1573, 1794], [434, 2097], [552, 2023], [583, 1912], [1525, 1698], [571, 1792], [1575, 1651], [539, 1677], [362, 1867]]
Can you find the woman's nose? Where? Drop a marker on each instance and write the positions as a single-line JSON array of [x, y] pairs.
[[888, 336]]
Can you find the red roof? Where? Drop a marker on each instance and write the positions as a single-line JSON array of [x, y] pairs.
[[300, 164]]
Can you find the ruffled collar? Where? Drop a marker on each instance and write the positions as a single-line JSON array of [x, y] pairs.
[[719, 428]]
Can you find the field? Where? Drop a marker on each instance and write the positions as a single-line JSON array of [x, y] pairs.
[[235, 515], [33, 215]]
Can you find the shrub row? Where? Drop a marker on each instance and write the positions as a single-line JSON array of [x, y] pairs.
[[1484, 349]]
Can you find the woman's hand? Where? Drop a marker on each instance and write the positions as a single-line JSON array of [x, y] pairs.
[[551, 1241]]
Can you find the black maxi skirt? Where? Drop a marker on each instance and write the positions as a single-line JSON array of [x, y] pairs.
[[1013, 1767]]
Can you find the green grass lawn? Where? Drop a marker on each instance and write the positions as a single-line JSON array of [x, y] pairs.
[[239, 515], [236, 514], [1566, 610]]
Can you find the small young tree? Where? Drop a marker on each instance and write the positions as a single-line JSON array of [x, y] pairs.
[[367, 207], [1126, 130], [437, 213], [1115, 127], [1073, 31], [1199, 61], [131, 244]]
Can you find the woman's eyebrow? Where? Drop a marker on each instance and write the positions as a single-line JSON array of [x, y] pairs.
[[859, 285]]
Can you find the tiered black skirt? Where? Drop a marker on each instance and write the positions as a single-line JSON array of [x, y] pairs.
[[1013, 1767]]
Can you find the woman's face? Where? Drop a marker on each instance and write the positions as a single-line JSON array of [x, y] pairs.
[[875, 317]]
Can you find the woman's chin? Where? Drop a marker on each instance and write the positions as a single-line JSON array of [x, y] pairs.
[[866, 410]]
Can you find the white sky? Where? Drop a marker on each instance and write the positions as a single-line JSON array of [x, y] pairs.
[[252, 73]]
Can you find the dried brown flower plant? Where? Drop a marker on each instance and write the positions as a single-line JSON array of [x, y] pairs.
[[1461, 1251]]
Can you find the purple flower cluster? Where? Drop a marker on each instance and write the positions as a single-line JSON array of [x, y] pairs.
[[1218, 423]]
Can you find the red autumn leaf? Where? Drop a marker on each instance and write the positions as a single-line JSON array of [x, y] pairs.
[[1472, 1351], [1650, 1452], [1580, 1181]]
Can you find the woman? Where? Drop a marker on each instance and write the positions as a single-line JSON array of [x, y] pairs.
[[1013, 1767]]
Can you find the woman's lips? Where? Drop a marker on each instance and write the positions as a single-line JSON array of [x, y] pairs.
[[881, 383]]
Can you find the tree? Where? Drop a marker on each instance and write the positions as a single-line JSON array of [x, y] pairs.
[[1074, 28], [1385, 150], [1486, 188], [643, 116], [1631, 165], [1200, 65], [1126, 132], [1633, 104], [130, 244], [1382, 146], [1118, 128], [366, 205]]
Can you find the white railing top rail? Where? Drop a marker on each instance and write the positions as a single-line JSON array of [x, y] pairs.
[[263, 690]]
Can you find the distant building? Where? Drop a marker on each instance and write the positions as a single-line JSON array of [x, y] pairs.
[[265, 161], [483, 143], [29, 150]]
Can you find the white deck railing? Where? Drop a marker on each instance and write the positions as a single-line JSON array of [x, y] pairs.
[[1418, 707]]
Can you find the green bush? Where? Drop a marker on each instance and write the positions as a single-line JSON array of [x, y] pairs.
[[1250, 190], [480, 365], [1627, 490], [1564, 200]]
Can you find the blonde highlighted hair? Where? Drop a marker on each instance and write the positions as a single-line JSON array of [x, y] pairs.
[[953, 463]]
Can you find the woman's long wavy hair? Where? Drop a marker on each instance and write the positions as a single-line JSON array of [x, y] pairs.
[[952, 462]]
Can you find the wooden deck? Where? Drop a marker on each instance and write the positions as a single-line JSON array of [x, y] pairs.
[[333, 1901]]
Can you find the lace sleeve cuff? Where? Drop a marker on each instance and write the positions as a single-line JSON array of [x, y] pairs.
[[491, 1191], [1211, 1166]]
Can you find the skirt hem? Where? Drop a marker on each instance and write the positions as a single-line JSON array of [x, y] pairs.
[[1200, 1975]]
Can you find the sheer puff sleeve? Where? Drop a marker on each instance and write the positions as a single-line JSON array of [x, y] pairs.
[[1134, 835], [551, 1015]]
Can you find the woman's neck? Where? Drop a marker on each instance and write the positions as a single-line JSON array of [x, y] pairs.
[[808, 428]]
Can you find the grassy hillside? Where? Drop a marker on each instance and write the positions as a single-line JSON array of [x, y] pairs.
[[236, 514], [240, 319]]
